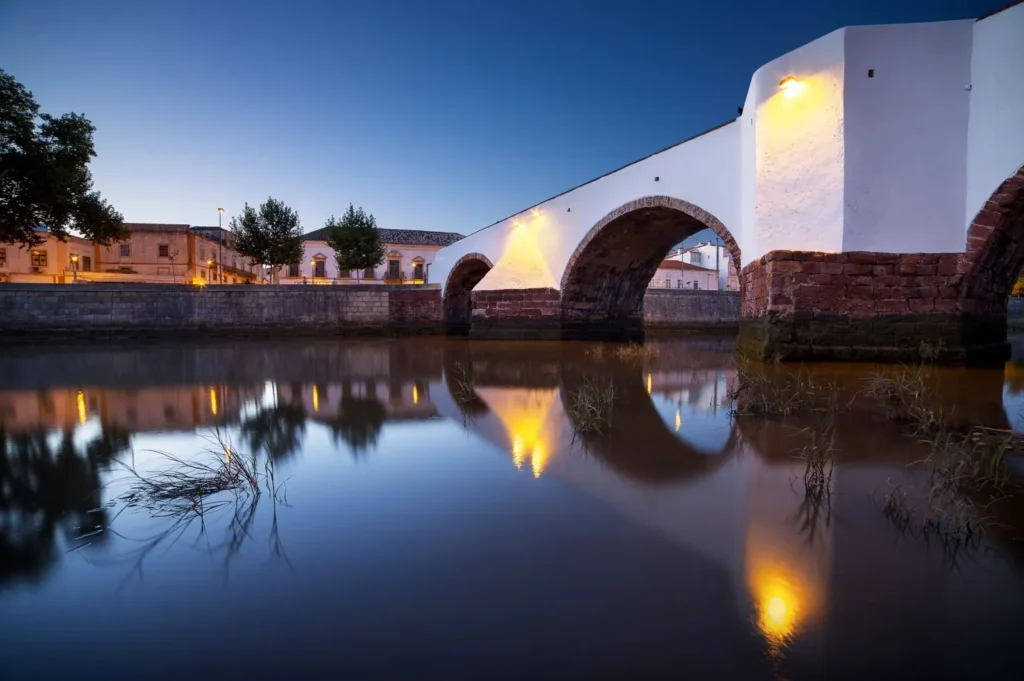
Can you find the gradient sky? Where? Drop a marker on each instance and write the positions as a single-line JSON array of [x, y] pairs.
[[445, 115]]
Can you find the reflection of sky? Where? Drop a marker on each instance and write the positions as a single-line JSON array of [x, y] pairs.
[[701, 423]]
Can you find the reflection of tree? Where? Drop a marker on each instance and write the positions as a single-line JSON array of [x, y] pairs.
[[358, 422], [45, 489], [277, 430]]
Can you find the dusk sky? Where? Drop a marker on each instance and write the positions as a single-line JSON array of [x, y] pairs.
[[431, 115]]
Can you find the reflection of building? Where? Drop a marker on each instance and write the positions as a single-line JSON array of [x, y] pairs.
[[400, 400], [409, 254]]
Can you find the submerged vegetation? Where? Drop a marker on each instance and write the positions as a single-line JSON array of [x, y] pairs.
[[591, 405]]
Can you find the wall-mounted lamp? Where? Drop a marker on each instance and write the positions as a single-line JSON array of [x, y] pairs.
[[516, 223], [790, 86], [536, 213]]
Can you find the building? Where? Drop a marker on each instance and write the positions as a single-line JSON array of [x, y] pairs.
[[683, 275], [152, 253], [409, 255], [712, 256]]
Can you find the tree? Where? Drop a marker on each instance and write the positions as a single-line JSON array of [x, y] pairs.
[[356, 240], [44, 174], [272, 236]]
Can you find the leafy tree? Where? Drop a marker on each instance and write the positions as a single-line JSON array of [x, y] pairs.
[[272, 236], [356, 240], [358, 423], [44, 174]]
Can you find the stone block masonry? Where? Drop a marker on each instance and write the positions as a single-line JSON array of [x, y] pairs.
[[865, 306], [517, 314], [66, 312], [680, 308]]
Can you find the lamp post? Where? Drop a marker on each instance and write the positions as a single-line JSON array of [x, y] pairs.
[[220, 243], [209, 266], [74, 268]]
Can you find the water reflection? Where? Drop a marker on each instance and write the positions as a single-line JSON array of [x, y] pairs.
[[446, 482]]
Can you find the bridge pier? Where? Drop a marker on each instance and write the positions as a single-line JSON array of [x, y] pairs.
[[868, 306]]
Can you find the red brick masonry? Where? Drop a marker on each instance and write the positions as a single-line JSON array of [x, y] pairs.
[[865, 306], [533, 313]]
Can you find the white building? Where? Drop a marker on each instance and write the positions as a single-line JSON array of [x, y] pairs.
[[409, 255], [711, 256], [675, 273]]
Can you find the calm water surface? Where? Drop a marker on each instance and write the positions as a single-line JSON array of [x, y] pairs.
[[437, 515]]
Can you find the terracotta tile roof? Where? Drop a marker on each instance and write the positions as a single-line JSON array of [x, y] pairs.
[[419, 237], [680, 265]]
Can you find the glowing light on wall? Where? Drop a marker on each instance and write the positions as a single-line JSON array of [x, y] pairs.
[[536, 212], [791, 87], [316, 399], [415, 394], [522, 263], [83, 415], [213, 401]]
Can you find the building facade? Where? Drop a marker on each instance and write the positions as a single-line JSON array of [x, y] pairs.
[[409, 255], [711, 256], [680, 274], [152, 253]]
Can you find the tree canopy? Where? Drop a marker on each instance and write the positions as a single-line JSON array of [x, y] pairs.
[[356, 240], [270, 236], [44, 175]]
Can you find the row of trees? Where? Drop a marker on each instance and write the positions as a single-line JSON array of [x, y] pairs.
[[272, 235]]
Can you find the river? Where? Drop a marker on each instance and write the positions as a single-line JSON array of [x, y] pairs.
[[439, 508]]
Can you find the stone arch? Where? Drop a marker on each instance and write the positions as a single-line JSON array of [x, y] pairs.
[[606, 277], [457, 302], [995, 250]]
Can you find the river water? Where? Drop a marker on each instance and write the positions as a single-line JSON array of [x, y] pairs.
[[433, 508]]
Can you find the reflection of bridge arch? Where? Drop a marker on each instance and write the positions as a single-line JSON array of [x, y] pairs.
[[639, 444]]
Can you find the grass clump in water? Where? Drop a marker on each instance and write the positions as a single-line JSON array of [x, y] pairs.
[[636, 351], [465, 383], [764, 391], [905, 397], [591, 406]]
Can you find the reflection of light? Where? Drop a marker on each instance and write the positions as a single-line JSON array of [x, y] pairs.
[[778, 610], [213, 401], [316, 399], [679, 420], [415, 394], [518, 451], [538, 459], [82, 413], [648, 384]]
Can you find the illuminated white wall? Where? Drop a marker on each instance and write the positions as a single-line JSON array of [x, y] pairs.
[[995, 134], [898, 162]]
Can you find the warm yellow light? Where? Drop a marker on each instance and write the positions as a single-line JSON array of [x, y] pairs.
[[648, 384], [74, 258], [415, 394], [679, 420], [196, 281], [316, 399], [790, 86], [220, 210], [516, 223], [82, 413], [209, 262], [538, 459], [777, 613], [536, 212], [213, 401], [518, 451]]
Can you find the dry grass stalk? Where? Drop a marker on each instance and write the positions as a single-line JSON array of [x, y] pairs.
[[636, 351], [591, 406]]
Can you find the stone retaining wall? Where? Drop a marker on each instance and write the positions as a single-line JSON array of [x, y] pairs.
[[139, 310], [679, 308]]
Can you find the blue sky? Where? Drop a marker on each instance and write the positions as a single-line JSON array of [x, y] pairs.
[[442, 115]]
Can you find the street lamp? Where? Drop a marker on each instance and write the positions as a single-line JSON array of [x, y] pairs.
[[220, 243], [74, 268]]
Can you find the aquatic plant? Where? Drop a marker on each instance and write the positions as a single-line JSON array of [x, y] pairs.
[[636, 351], [591, 405], [465, 383], [762, 390], [905, 397]]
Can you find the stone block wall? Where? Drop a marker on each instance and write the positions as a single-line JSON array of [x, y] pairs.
[[119, 310], [679, 308], [517, 314], [863, 306]]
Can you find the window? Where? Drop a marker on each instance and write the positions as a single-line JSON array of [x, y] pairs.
[[38, 258], [393, 271], [202, 253], [369, 273], [126, 250], [695, 258], [417, 271], [695, 286], [320, 269], [86, 263], [679, 283], [3, 257], [163, 250], [293, 270]]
